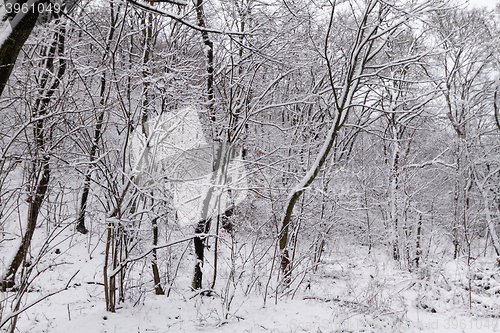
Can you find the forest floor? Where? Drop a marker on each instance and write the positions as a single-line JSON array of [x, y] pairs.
[[351, 291]]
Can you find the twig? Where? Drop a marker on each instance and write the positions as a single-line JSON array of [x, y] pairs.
[[129, 260], [205, 292], [18, 312]]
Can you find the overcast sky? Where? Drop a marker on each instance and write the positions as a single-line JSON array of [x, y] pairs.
[[488, 3]]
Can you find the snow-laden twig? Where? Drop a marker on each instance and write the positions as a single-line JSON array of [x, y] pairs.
[[435, 161]]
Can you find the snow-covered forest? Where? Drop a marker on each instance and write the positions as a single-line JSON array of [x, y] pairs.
[[249, 166]]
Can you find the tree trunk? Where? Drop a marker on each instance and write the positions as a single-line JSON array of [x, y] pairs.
[[35, 204], [156, 273], [22, 24], [199, 247], [489, 219], [418, 252], [97, 130], [210, 58], [204, 225], [393, 189], [40, 164]]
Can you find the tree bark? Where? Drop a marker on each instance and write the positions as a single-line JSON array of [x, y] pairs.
[[418, 252], [204, 225], [22, 24], [156, 273], [199, 247], [393, 195], [210, 58]]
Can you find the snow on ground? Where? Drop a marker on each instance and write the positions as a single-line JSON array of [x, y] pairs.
[[350, 292]]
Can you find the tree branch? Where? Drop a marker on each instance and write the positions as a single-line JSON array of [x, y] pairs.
[[182, 21]]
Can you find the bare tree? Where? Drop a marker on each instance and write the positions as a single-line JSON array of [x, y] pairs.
[[463, 66], [375, 23]]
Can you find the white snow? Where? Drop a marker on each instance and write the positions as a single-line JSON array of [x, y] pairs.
[[352, 291]]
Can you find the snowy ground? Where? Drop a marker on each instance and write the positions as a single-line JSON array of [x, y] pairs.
[[350, 292]]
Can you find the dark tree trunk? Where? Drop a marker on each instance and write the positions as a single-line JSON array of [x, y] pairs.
[[22, 24], [199, 248], [98, 128], [34, 209], [156, 274], [204, 225], [419, 250], [40, 164]]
